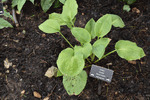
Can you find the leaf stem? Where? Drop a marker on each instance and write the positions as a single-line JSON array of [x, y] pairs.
[[93, 56], [105, 55], [65, 39], [88, 60], [72, 24]]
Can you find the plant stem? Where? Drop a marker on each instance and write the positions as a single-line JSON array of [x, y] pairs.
[[93, 56], [72, 24], [65, 39], [105, 56], [88, 60], [14, 17]]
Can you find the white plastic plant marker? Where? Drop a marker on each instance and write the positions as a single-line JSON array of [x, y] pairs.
[[1, 8]]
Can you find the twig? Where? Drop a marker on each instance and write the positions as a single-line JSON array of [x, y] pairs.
[[14, 16]]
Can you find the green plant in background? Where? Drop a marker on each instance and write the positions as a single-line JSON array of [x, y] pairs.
[[129, 2], [19, 3], [45, 4], [71, 61], [4, 23], [126, 8]]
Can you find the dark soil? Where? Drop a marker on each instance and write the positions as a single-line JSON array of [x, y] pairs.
[[34, 52]]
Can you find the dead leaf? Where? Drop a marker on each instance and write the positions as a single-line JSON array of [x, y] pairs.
[[51, 72], [7, 64], [132, 62], [36, 94], [135, 10]]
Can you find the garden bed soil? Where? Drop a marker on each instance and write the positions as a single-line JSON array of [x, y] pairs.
[[34, 52]]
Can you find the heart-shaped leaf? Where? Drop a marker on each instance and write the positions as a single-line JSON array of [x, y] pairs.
[[98, 50], [57, 17], [86, 50], [50, 26], [69, 10], [90, 27], [82, 35], [117, 21], [70, 64], [75, 85], [103, 41], [129, 50], [103, 25]]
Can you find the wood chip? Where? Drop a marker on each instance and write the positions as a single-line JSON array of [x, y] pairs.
[[36, 94], [43, 35], [22, 92], [7, 71], [7, 64], [46, 98], [143, 63], [108, 64], [132, 62]]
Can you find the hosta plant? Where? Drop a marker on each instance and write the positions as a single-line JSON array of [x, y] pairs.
[[71, 61], [45, 4]]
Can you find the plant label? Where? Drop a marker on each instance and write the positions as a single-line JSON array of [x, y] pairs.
[[101, 73], [1, 8]]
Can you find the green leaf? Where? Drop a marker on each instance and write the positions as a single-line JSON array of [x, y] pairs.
[[126, 8], [20, 4], [7, 14], [3, 1], [129, 2], [75, 85], [70, 64], [46, 4], [103, 25], [50, 26], [57, 17], [86, 50], [129, 50], [14, 3], [117, 21], [69, 10], [98, 50], [90, 27], [57, 4], [62, 1], [82, 35], [32, 1], [4, 23], [102, 41], [59, 73]]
